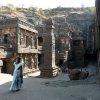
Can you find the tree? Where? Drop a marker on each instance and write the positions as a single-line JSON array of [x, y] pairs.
[[41, 12], [34, 9], [92, 9], [11, 7], [82, 5]]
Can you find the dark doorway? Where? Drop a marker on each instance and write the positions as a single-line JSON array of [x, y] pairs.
[[4, 67], [40, 59], [90, 58], [40, 41]]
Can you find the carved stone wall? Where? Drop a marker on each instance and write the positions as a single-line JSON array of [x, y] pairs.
[[18, 38]]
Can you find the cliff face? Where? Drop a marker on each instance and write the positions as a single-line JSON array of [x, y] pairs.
[[66, 19], [85, 23], [79, 20]]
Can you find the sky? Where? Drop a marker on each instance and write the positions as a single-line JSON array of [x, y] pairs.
[[45, 4]]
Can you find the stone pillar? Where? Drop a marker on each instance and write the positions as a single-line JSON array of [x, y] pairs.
[[32, 61], [1, 64], [49, 69], [98, 68], [97, 38], [25, 61], [36, 61], [36, 41]]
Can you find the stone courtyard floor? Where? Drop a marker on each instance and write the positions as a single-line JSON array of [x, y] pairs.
[[58, 88]]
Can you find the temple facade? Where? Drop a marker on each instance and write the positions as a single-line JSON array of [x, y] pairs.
[[18, 38], [43, 47]]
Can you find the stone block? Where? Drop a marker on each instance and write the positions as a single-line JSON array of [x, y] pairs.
[[49, 72]]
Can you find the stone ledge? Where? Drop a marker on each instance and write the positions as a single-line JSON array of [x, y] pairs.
[[49, 72], [29, 71]]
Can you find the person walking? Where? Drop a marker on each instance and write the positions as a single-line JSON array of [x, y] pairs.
[[17, 75]]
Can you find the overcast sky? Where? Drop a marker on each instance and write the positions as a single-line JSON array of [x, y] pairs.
[[49, 3]]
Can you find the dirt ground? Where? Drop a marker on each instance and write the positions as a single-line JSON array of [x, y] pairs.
[[58, 88]]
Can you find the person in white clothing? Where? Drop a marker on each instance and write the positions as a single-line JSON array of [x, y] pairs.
[[17, 75]]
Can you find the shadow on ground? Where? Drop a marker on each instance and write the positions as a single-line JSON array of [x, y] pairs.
[[43, 89], [65, 83]]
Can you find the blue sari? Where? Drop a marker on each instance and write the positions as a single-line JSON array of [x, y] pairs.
[[17, 77]]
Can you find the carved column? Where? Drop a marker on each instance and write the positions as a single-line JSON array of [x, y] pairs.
[[36, 61], [32, 61], [49, 69], [98, 69], [25, 61], [1, 64]]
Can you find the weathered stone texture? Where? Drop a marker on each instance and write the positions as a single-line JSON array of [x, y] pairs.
[[16, 39]]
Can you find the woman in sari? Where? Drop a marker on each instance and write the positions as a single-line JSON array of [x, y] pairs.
[[17, 75]]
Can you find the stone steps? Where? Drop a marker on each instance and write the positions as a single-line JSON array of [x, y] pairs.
[[28, 71]]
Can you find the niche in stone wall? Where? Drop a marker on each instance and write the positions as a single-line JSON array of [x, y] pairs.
[[40, 41], [76, 43]]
